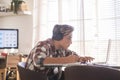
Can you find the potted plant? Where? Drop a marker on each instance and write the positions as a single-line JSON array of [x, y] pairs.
[[15, 5]]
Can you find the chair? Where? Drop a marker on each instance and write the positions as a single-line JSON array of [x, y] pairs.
[[26, 74], [87, 72]]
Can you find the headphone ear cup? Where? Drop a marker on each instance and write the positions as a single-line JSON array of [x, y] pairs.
[[58, 36]]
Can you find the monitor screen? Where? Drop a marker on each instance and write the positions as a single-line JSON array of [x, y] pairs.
[[9, 38]]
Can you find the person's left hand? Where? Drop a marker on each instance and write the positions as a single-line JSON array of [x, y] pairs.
[[86, 59]]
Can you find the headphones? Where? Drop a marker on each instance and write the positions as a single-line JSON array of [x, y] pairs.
[[57, 36]]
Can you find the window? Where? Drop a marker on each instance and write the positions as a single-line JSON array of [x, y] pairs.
[[96, 23]]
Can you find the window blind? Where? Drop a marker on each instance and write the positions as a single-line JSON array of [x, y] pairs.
[[95, 22]]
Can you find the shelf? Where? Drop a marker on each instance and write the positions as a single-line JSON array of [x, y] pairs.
[[13, 14], [24, 12]]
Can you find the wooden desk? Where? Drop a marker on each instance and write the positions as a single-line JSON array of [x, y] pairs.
[[11, 65], [12, 60]]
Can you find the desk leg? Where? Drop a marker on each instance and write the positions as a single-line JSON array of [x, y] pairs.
[[17, 73], [3, 74]]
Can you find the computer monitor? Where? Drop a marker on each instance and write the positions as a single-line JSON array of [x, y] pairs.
[[9, 38]]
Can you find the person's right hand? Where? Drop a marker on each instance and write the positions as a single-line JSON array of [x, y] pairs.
[[86, 59]]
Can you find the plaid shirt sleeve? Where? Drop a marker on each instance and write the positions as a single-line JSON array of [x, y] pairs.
[[36, 57], [69, 52]]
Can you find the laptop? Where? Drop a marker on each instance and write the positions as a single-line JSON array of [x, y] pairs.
[[107, 55], [106, 63]]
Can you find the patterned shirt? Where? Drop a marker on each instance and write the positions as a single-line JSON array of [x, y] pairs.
[[42, 50]]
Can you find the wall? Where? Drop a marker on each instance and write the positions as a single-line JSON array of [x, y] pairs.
[[25, 25]]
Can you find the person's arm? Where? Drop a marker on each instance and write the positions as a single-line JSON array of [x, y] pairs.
[[38, 59], [61, 60], [82, 59]]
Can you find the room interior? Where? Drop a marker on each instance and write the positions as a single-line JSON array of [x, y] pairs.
[[96, 22]]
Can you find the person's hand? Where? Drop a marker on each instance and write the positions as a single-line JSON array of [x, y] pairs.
[[85, 59]]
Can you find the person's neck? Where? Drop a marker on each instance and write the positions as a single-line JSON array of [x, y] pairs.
[[56, 44]]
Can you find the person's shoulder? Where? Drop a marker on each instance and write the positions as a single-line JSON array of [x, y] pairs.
[[49, 40], [45, 42]]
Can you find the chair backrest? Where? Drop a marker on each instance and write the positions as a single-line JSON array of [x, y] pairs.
[[86, 72], [26, 74]]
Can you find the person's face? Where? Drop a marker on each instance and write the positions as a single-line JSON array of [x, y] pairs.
[[66, 41]]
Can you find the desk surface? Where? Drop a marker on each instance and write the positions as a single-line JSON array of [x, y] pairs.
[[108, 65], [62, 65], [78, 63]]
